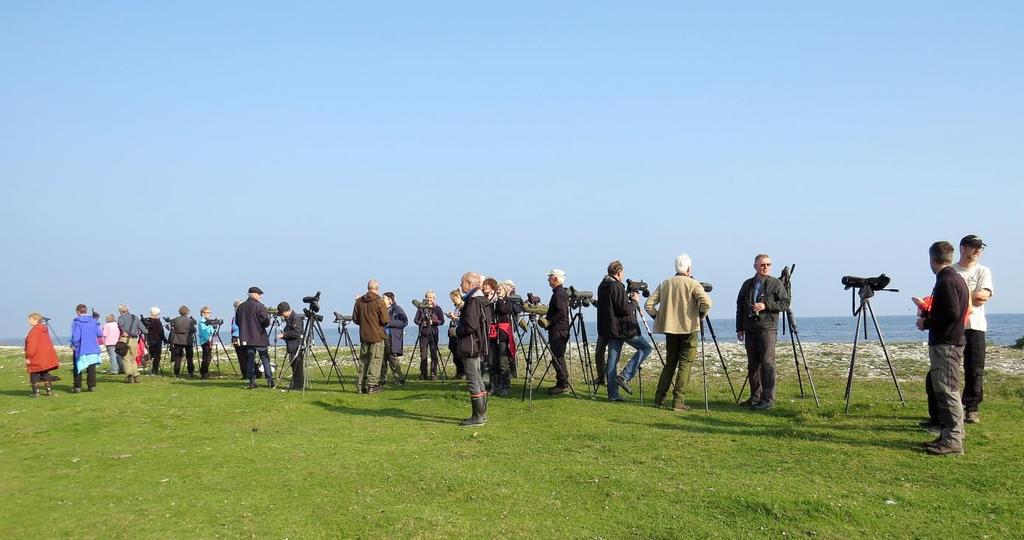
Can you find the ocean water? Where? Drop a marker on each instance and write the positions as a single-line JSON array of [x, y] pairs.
[[1003, 329]]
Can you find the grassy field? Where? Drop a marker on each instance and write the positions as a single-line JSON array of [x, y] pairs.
[[204, 459]]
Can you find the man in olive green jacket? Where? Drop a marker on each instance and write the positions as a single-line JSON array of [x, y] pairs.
[[678, 305]]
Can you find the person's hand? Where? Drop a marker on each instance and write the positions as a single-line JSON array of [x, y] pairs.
[[739, 336], [758, 307], [980, 297], [280, 336], [634, 296], [27, 361], [920, 323]]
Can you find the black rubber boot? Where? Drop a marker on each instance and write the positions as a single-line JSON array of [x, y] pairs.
[[479, 417]]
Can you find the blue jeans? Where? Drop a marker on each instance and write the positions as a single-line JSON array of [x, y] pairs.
[[115, 360], [643, 349], [250, 364]]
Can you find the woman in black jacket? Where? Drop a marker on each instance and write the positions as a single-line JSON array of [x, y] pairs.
[[501, 344], [395, 343]]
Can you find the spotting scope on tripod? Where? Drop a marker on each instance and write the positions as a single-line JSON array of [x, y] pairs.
[[865, 289]]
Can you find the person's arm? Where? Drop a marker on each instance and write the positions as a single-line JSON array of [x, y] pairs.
[[778, 301], [653, 301], [740, 305], [703, 301], [76, 335], [355, 313], [619, 301], [31, 346], [469, 322], [294, 328], [946, 308], [382, 312], [263, 315], [985, 290], [437, 314], [418, 319]]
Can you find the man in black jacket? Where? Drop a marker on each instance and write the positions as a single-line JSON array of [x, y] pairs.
[[471, 335], [252, 320], [558, 329], [945, 324], [616, 322], [758, 304], [292, 336], [183, 328]]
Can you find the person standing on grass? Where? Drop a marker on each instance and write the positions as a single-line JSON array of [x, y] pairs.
[[558, 330], [429, 317], [131, 329], [253, 319], [370, 313], [155, 338], [111, 333], [182, 328], [979, 286], [758, 304], [292, 335], [453, 317], [85, 348], [945, 324], [40, 356], [471, 334], [616, 321], [677, 307], [204, 337], [395, 342]]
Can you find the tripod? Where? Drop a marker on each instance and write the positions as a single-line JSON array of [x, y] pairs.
[[432, 334], [275, 322], [794, 339], [345, 338], [49, 328], [579, 333], [721, 359], [862, 312], [536, 351], [216, 351], [311, 330]]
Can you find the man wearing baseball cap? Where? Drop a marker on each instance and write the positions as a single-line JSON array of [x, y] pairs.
[[558, 329], [979, 286], [252, 320]]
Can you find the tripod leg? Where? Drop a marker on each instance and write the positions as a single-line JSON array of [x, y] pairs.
[[721, 358], [886, 351], [704, 373], [796, 361], [807, 371], [853, 358]]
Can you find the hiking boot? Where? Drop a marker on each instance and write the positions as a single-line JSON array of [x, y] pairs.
[[945, 449], [973, 417], [749, 402], [90, 389], [49, 390], [622, 384], [35, 392], [930, 443], [135, 379], [555, 390], [479, 416], [373, 390], [762, 406], [680, 407], [76, 390]]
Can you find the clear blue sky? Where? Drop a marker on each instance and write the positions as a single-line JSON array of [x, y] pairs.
[[177, 153]]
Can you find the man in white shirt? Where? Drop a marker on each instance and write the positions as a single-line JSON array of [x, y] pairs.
[[979, 286]]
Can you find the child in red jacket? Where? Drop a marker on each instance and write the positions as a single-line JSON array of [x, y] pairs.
[[40, 356]]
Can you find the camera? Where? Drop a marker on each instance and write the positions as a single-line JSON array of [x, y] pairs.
[[536, 309], [516, 300], [532, 298], [214, 322], [310, 314], [422, 304], [167, 319], [341, 319], [874, 283], [707, 286], [637, 287], [314, 303], [45, 319], [272, 311], [580, 298]]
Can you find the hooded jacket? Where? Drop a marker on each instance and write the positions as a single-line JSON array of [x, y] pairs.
[[85, 334], [39, 350], [370, 315], [616, 312], [397, 321]]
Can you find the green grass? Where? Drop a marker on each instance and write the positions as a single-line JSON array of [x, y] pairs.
[[203, 459]]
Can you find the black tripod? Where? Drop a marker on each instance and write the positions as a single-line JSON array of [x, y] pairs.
[[311, 330], [216, 351], [579, 334], [788, 322], [49, 328], [536, 351], [275, 322], [344, 338], [432, 334], [862, 312], [705, 321]]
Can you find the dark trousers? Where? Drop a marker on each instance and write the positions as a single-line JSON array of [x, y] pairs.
[[90, 376], [240, 355], [761, 365], [557, 346], [499, 365], [177, 352], [974, 366], [428, 342], [599, 355], [296, 358], [204, 367], [250, 364], [460, 366], [155, 350]]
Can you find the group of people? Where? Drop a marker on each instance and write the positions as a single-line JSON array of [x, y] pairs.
[[482, 337]]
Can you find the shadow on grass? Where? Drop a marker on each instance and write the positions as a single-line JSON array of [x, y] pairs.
[[711, 425], [391, 412]]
